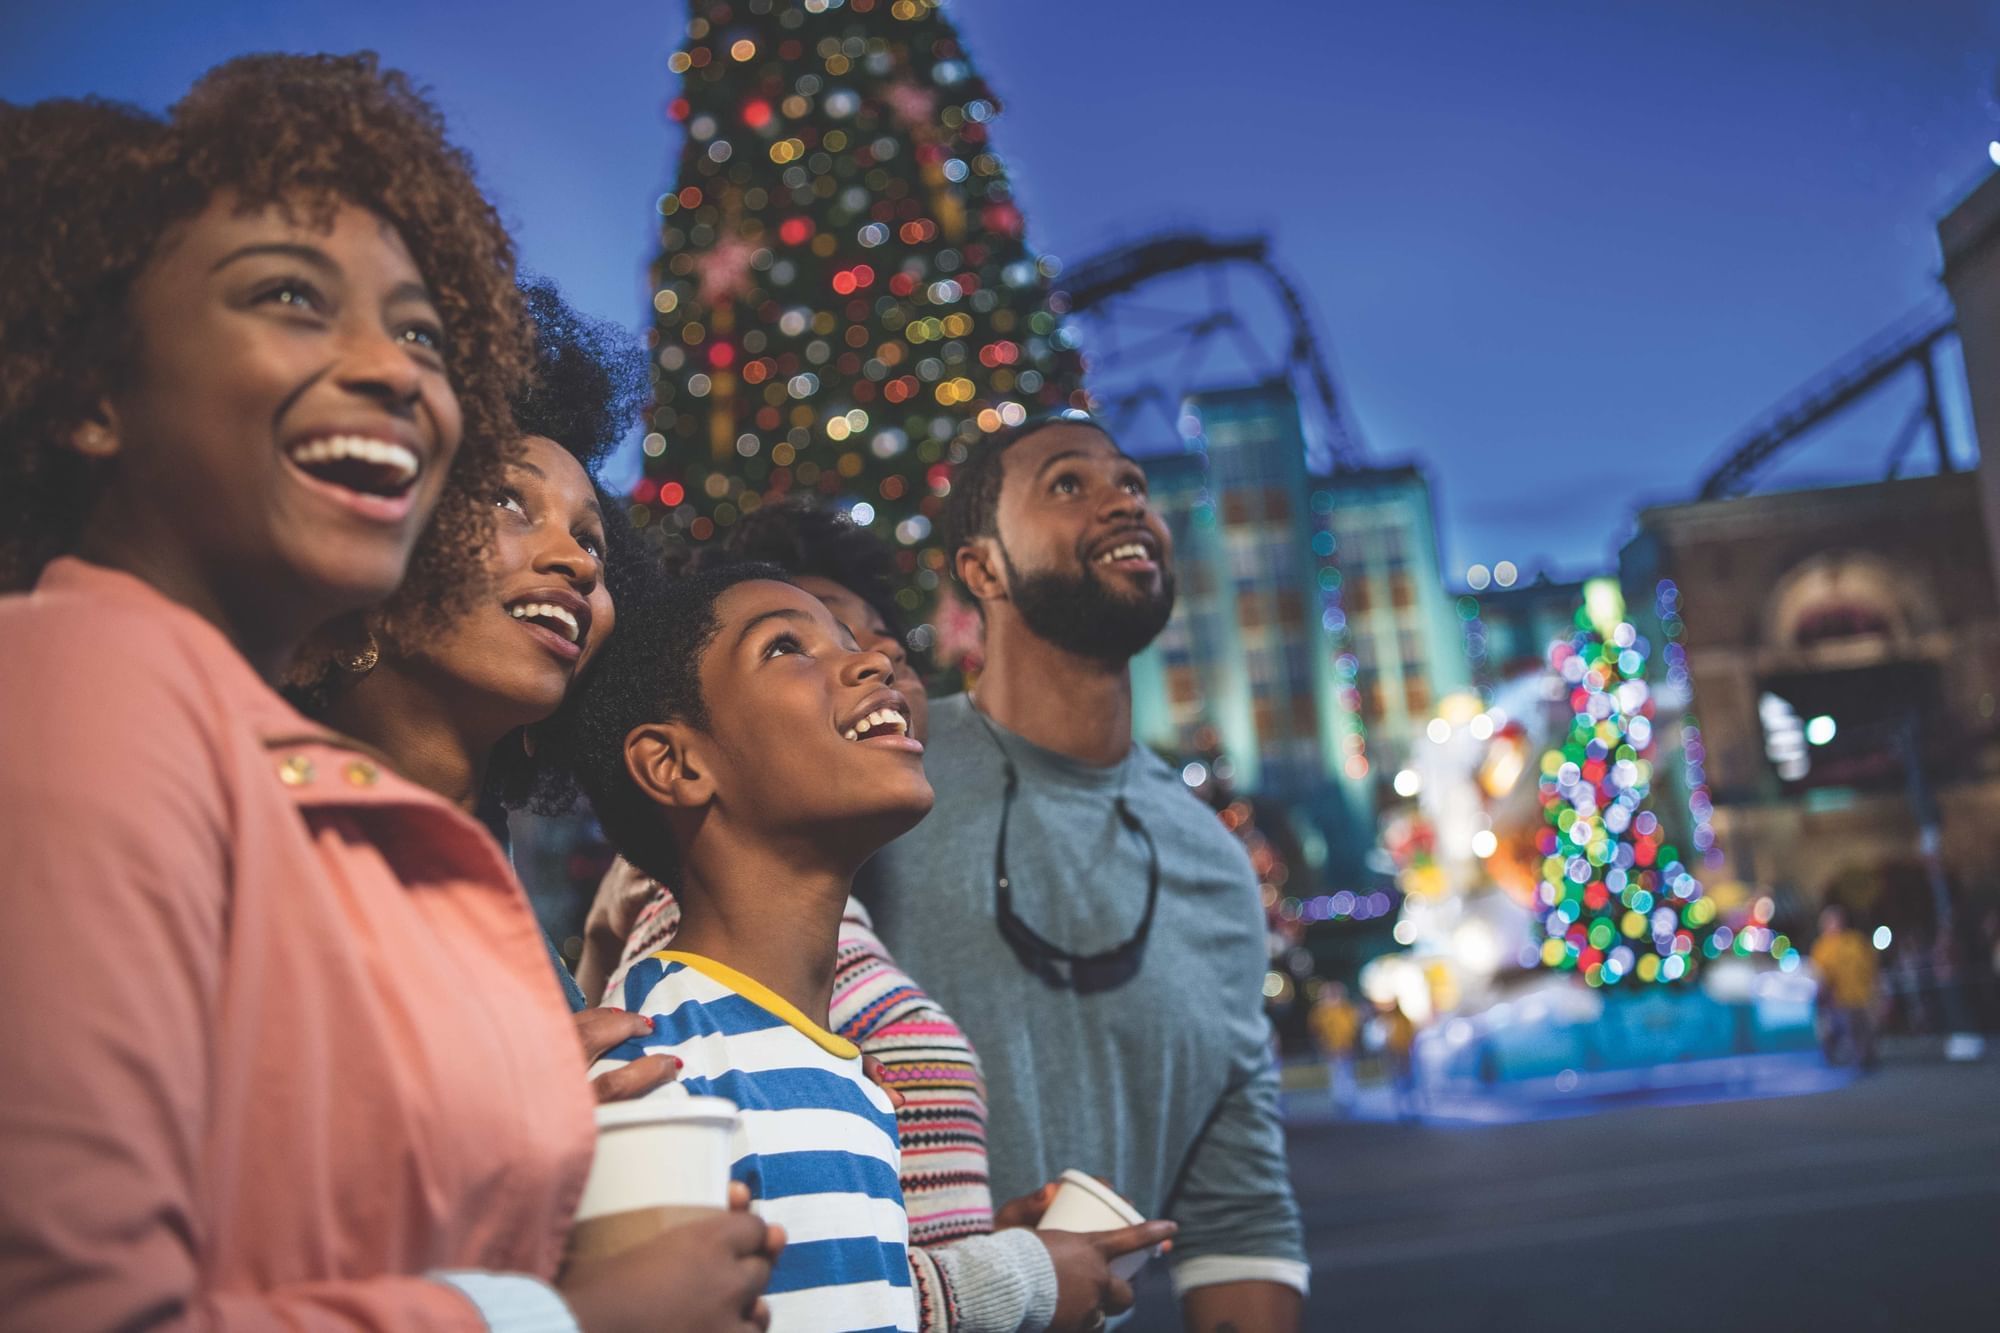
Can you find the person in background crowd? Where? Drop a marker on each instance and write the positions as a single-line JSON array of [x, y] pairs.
[[969, 1276], [284, 1048], [1399, 1046], [1094, 927], [1845, 962], [1336, 1029], [1989, 949]]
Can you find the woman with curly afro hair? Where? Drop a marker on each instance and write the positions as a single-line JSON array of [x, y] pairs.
[[283, 1046]]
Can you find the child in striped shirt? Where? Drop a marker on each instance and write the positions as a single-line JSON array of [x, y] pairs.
[[739, 745]]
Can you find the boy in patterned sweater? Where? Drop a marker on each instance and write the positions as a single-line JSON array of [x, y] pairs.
[[740, 745]]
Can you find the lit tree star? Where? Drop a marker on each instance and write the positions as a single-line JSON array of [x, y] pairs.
[[725, 270]]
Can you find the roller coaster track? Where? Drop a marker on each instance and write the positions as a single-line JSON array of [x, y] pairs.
[[1099, 283], [1906, 343]]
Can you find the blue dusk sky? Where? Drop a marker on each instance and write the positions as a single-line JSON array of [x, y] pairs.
[[1561, 250]]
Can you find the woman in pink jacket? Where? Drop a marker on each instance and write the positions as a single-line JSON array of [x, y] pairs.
[[283, 1049]]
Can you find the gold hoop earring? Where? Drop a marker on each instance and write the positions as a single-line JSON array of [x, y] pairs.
[[92, 440], [362, 661]]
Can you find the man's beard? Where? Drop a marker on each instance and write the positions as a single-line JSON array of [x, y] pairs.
[[1081, 615]]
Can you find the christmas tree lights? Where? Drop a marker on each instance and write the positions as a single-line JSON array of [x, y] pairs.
[[1617, 904], [844, 296]]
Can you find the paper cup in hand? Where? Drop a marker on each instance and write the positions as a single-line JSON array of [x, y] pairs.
[[660, 1161], [1085, 1203]]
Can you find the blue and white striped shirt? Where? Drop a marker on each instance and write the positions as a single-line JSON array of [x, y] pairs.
[[816, 1144]]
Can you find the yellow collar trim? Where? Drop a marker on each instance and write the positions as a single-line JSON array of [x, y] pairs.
[[763, 996]]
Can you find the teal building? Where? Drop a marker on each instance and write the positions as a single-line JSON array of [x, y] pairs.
[[1312, 632]]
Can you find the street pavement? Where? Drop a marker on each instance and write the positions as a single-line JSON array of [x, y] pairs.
[[1875, 1205]]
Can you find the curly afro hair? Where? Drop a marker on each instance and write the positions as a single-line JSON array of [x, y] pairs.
[[809, 542], [649, 671], [80, 180], [305, 133], [590, 377]]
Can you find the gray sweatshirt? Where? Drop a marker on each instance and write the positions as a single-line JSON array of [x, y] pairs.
[[1160, 1080]]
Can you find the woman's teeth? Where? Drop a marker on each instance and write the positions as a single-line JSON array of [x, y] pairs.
[[886, 720], [548, 613], [1129, 551], [380, 467]]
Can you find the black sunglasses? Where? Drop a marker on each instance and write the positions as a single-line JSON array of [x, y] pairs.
[[1084, 972]]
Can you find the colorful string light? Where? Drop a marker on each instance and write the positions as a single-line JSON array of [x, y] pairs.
[[1617, 904], [1333, 620], [1694, 753], [844, 296]]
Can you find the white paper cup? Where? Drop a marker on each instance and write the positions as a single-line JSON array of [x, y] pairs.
[[658, 1160], [1085, 1203]]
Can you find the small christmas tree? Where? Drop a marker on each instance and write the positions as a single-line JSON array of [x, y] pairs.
[[845, 297], [1616, 903]]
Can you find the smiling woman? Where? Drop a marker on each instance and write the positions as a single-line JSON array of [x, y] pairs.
[[245, 355], [295, 285], [450, 702]]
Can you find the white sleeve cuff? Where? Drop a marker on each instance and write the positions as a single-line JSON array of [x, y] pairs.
[[1002, 1282], [513, 1302], [1208, 1270]]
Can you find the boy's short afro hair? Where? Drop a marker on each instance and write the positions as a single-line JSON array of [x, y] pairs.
[[648, 671], [807, 541]]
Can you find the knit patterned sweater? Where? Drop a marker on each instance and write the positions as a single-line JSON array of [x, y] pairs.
[[969, 1278]]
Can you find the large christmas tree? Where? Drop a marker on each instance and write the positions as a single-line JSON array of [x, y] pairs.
[[844, 294], [1617, 904]]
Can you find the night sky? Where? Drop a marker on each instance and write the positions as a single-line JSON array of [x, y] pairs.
[[1562, 250]]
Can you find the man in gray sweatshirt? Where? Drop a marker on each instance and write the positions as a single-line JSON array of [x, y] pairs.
[[1092, 925]]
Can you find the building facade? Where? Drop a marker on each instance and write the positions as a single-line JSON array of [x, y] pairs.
[[1842, 647], [1508, 630], [1312, 635], [1402, 629]]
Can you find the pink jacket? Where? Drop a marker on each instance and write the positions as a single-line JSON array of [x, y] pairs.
[[280, 1031]]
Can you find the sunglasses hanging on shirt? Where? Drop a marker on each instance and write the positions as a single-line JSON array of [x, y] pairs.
[[1081, 972]]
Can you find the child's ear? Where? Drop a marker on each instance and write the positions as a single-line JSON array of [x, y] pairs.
[[978, 568], [658, 757]]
